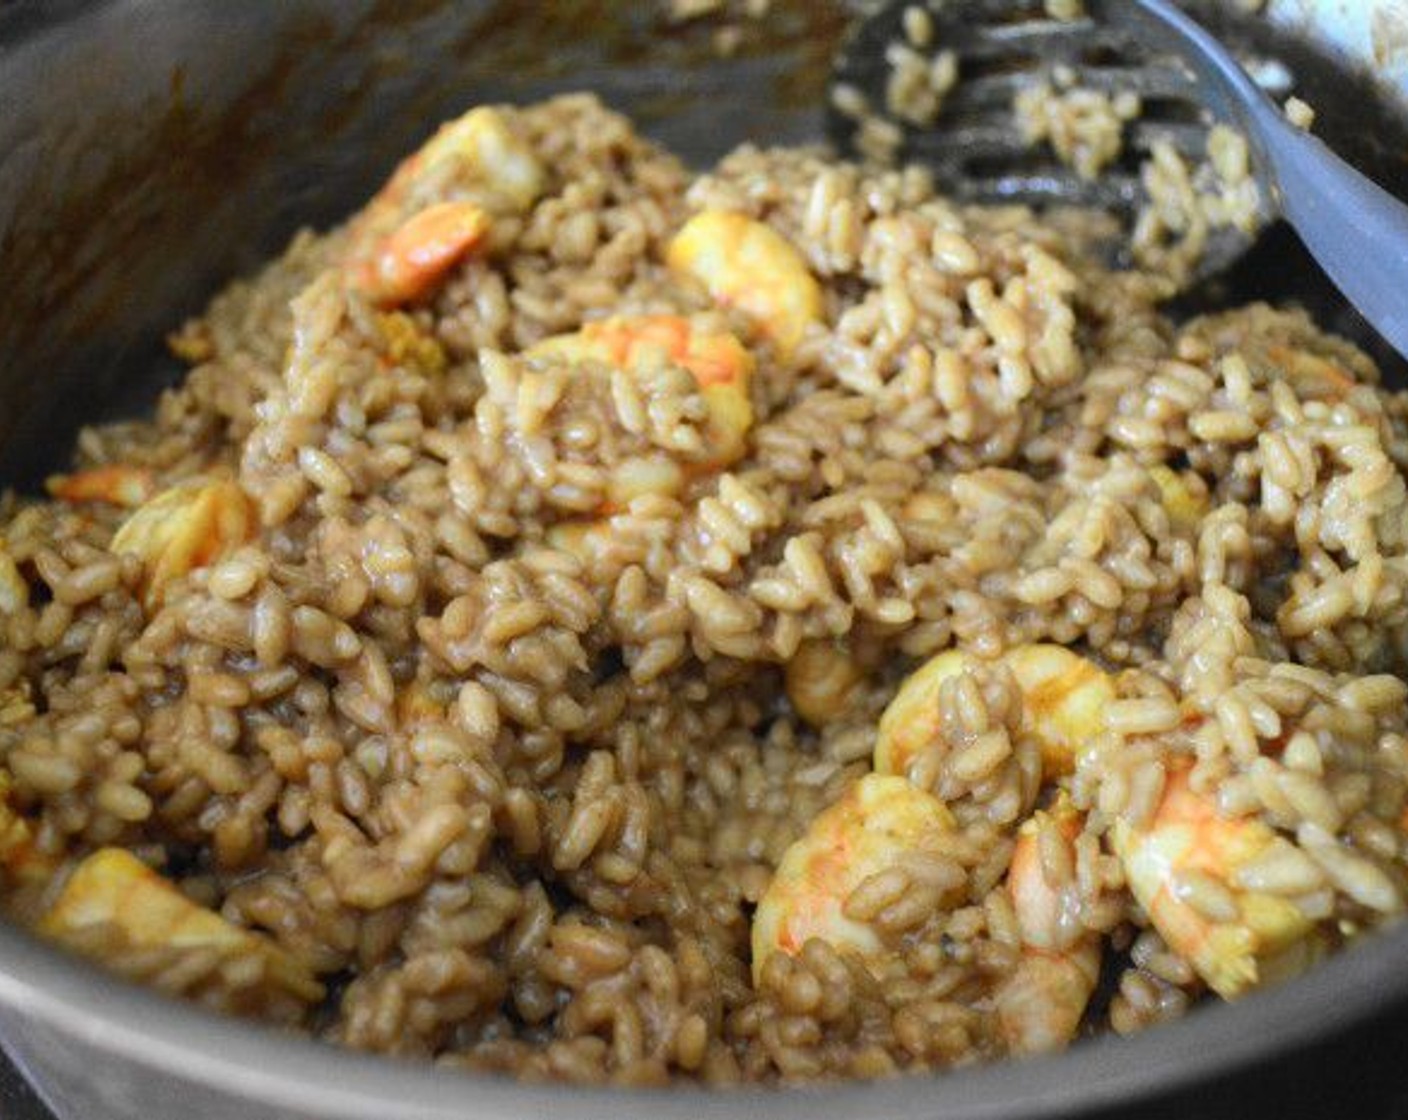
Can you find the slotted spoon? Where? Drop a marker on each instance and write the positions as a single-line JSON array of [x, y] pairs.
[[1355, 229]]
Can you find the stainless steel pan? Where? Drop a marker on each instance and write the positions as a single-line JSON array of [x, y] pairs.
[[151, 150]]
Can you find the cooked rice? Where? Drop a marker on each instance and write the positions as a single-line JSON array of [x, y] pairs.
[[515, 809], [1084, 127]]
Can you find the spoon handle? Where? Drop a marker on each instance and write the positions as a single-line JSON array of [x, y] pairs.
[[1353, 227]]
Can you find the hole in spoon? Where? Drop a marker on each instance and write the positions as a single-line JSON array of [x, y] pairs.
[[1104, 57], [993, 66], [1171, 110]]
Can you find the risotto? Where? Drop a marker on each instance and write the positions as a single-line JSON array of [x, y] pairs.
[[592, 621]]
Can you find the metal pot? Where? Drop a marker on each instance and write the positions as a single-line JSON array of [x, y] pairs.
[[149, 151]]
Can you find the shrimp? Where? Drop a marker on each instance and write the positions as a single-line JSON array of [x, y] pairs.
[[412, 260], [720, 366], [117, 910], [1185, 867], [1040, 1005], [479, 150], [1063, 698], [717, 361], [117, 484], [881, 823], [1185, 502], [747, 264], [408, 238], [821, 680], [193, 524]]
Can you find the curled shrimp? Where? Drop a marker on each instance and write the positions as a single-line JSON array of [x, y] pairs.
[[439, 206], [411, 261], [821, 680], [1063, 696], [718, 362], [1188, 867], [720, 366], [1063, 700], [1040, 1005], [479, 152], [747, 264], [117, 484], [115, 909], [193, 524], [879, 824]]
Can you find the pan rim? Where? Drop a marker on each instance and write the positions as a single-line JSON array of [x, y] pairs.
[[259, 1065]]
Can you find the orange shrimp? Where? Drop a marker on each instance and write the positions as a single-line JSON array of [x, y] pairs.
[[117, 484], [137, 913], [1040, 1005], [192, 525], [1063, 698], [1260, 936], [878, 823], [747, 264], [716, 360], [413, 260], [821, 680]]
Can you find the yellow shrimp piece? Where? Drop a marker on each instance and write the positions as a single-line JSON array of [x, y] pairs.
[[486, 146], [406, 344], [114, 907], [1263, 936], [872, 828], [1063, 698], [821, 680], [1040, 1005], [413, 260], [747, 264], [479, 149], [410, 235], [716, 360], [117, 484], [1185, 506], [192, 525]]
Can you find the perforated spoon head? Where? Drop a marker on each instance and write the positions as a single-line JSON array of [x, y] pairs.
[[977, 147]]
